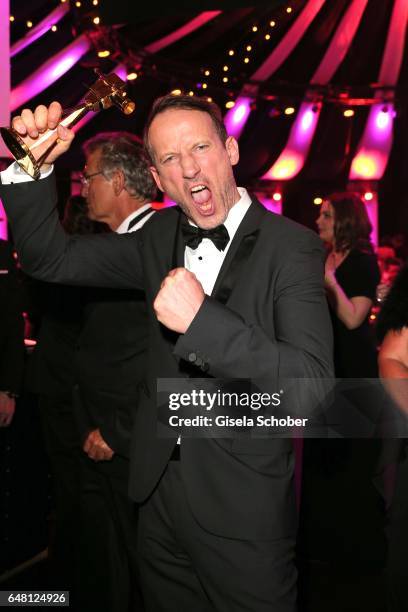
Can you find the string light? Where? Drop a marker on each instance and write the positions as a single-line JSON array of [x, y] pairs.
[[267, 36], [246, 60], [272, 24], [205, 85], [289, 110], [289, 9], [231, 52], [254, 28], [132, 76], [277, 196], [95, 2], [176, 92], [249, 48], [225, 80], [78, 4], [96, 20], [348, 112], [209, 99], [225, 68], [230, 104], [191, 93], [29, 24], [54, 28], [207, 73], [104, 53], [11, 18], [368, 196], [318, 201]]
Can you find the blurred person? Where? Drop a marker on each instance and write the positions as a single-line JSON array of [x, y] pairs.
[[389, 271], [57, 312], [110, 360], [392, 329], [11, 334], [342, 513]]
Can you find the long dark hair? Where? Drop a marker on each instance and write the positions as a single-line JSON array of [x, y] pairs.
[[352, 227]]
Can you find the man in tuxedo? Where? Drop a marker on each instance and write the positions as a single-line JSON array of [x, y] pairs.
[[11, 335], [217, 516], [110, 362]]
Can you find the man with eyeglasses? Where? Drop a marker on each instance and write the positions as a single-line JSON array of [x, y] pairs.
[[118, 188]]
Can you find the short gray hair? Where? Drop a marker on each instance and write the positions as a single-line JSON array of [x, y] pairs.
[[124, 151]]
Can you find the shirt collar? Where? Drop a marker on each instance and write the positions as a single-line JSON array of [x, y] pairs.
[[123, 227], [237, 212]]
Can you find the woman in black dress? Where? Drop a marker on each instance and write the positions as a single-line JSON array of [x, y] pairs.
[[351, 275]]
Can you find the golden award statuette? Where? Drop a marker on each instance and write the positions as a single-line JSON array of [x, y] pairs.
[[108, 90]]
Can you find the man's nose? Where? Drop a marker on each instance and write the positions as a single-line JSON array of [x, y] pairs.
[[189, 166]]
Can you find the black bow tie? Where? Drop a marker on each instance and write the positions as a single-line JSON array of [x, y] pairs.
[[193, 236]]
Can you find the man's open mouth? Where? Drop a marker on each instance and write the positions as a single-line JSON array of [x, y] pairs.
[[201, 196]]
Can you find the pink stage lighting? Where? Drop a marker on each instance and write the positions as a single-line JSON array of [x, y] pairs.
[[49, 72], [372, 155], [237, 116], [40, 29], [293, 157]]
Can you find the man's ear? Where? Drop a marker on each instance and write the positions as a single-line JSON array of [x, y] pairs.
[[118, 182], [156, 177], [232, 149]]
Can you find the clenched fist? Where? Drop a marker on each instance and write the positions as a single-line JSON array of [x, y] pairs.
[[96, 448], [31, 126], [179, 299]]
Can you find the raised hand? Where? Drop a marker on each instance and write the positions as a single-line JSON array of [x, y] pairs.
[[32, 127]]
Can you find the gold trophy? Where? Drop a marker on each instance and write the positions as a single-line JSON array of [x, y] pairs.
[[108, 90]]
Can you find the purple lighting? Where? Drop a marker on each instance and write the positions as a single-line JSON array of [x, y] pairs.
[[49, 72], [292, 158], [383, 119], [236, 117], [306, 121], [372, 155], [41, 28]]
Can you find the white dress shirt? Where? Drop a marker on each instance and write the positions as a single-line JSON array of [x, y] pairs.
[[14, 174], [123, 227], [206, 260]]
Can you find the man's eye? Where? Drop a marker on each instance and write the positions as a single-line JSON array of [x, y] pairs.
[[168, 159], [201, 147]]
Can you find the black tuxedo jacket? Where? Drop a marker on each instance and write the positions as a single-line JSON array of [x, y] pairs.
[[273, 322], [11, 323], [111, 363]]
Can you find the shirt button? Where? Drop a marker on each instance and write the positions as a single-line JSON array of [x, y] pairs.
[[199, 361], [192, 357]]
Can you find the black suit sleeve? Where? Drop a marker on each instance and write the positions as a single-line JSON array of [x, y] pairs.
[[11, 323], [47, 253], [298, 346]]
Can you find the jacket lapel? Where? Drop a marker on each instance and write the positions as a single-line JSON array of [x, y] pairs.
[[178, 244], [239, 251]]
